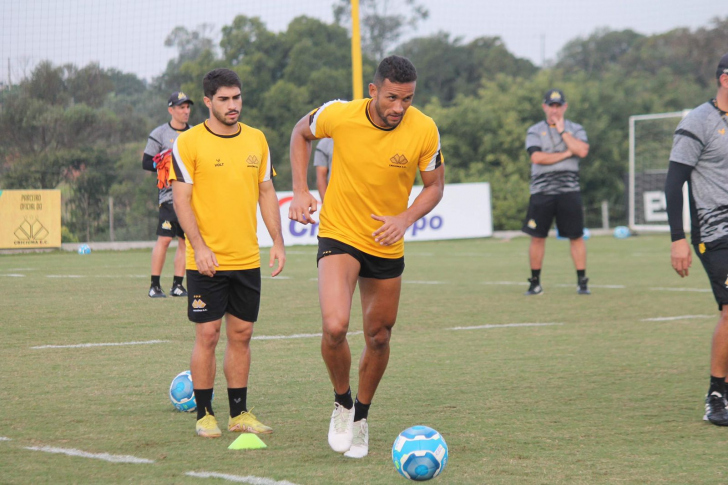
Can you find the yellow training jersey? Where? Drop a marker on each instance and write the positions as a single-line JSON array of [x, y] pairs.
[[372, 170], [224, 171]]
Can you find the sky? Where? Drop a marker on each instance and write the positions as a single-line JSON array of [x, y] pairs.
[[129, 34]]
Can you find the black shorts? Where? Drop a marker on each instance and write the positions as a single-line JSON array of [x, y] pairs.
[[168, 224], [567, 208], [715, 261], [234, 292], [371, 266]]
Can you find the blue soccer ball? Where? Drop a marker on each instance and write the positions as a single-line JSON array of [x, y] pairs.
[[84, 249], [419, 453], [621, 232], [181, 392]]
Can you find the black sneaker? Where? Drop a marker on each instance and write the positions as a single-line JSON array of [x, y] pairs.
[[715, 409], [535, 288], [178, 290], [582, 289], [156, 292]]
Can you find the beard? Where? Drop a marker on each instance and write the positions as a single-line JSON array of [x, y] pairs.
[[382, 116], [222, 118]]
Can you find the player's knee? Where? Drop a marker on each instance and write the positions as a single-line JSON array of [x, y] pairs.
[[379, 339], [207, 338], [334, 334]]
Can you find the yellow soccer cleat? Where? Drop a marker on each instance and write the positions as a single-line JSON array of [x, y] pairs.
[[247, 423], [207, 427]]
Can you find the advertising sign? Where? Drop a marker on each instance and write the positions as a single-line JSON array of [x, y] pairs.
[[30, 219], [463, 212]]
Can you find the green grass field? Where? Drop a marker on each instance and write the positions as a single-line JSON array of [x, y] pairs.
[[604, 396]]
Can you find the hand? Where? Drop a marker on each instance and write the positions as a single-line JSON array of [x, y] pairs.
[[277, 252], [559, 123], [681, 257], [302, 207], [391, 231], [206, 261]]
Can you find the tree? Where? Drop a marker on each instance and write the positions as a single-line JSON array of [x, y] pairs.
[[382, 24]]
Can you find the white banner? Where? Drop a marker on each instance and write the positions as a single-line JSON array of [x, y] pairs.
[[463, 212]]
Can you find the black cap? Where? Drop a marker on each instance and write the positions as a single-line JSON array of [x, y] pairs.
[[178, 98], [722, 67], [554, 96]]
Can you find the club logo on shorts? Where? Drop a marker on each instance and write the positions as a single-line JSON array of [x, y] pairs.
[[252, 161], [532, 224], [398, 161], [198, 304], [726, 283], [167, 226]]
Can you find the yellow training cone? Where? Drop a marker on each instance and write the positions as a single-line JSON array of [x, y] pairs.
[[247, 441]]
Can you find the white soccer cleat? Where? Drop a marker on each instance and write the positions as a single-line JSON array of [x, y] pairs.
[[341, 428], [360, 443]]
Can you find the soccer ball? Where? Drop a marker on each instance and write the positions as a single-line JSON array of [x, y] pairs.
[[621, 232], [181, 392], [419, 453], [84, 249]]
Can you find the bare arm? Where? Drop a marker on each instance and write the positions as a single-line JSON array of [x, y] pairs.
[[543, 158], [574, 145], [322, 181], [205, 259], [270, 212], [394, 227], [303, 204]]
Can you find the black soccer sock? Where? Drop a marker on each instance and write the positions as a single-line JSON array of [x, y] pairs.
[[203, 398], [536, 274], [344, 399], [717, 384], [177, 280], [580, 273], [361, 411], [155, 280], [237, 397]]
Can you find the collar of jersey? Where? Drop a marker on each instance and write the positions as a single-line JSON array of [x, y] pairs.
[[366, 110], [187, 127], [240, 128], [714, 102]]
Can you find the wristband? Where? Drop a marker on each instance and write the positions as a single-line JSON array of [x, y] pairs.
[[562, 133]]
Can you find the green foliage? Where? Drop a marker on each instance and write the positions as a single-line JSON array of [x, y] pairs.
[[84, 128]]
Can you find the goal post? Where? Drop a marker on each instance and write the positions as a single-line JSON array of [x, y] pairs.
[[650, 143]]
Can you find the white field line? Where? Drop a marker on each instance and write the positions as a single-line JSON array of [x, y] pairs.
[[3, 438], [477, 327], [13, 275], [84, 454], [699, 290], [78, 346], [298, 335], [64, 276], [667, 319], [251, 480], [276, 277], [21, 269]]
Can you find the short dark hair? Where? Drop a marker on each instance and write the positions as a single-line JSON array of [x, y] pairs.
[[219, 78], [397, 69]]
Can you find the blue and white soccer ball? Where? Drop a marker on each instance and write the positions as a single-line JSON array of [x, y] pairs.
[[621, 232], [84, 249], [419, 453], [181, 392]]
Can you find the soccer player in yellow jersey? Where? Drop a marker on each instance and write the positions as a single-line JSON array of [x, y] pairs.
[[221, 171], [379, 145]]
